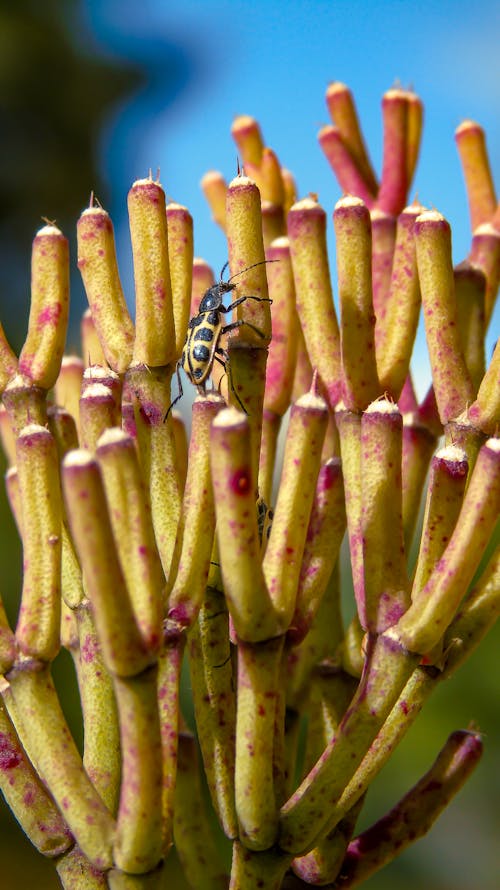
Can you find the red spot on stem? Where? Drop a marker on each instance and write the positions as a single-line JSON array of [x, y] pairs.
[[49, 315], [89, 649], [9, 757], [240, 481]]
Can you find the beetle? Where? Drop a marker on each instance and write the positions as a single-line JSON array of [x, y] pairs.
[[265, 516], [202, 344]]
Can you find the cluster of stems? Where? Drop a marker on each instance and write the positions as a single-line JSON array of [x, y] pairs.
[[142, 549]]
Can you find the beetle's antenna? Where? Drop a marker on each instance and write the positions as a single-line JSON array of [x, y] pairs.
[[261, 263], [226, 264]]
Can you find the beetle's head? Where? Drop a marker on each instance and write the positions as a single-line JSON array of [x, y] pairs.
[[212, 298]]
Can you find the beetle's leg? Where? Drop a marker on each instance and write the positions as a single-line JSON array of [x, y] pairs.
[[238, 324], [241, 300], [222, 361], [180, 394], [225, 362]]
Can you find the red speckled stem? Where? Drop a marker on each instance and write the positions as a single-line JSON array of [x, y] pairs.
[[150, 390], [97, 413], [414, 124], [212, 680], [427, 412], [307, 234], [283, 348], [76, 872], [169, 672], [445, 492], [485, 254], [12, 491], [394, 181], [194, 841], [138, 842], [38, 624], [214, 188], [479, 612], [349, 427], [91, 347], [301, 463], [246, 133], [68, 384], [396, 328], [267, 176], [322, 864], [434, 605], [477, 615], [460, 433], [452, 384], [248, 599], [290, 189], [484, 413], [273, 223], [306, 814], [350, 178], [408, 400], [130, 515], [418, 447], [471, 145], [415, 813], [155, 337], [40, 358], [26, 795], [256, 805], [8, 647], [181, 448], [324, 536], [320, 645], [470, 291], [271, 425], [383, 227], [386, 583], [99, 270], [45, 736], [343, 113], [25, 404], [123, 649], [264, 870], [246, 247], [303, 376], [180, 258], [353, 649], [331, 691], [357, 320], [8, 361], [401, 717], [197, 524], [101, 751], [247, 348], [103, 375]]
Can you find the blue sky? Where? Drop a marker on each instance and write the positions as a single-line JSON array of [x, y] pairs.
[[273, 60]]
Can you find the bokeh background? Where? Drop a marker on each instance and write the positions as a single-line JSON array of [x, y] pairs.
[[94, 93]]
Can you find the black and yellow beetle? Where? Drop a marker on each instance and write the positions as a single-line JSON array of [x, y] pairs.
[[265, 516], [202, 346]]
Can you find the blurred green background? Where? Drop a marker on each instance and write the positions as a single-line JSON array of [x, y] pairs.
[[60, 86]]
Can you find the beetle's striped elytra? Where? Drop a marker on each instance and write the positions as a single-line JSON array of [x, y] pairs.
[[202, 345]]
